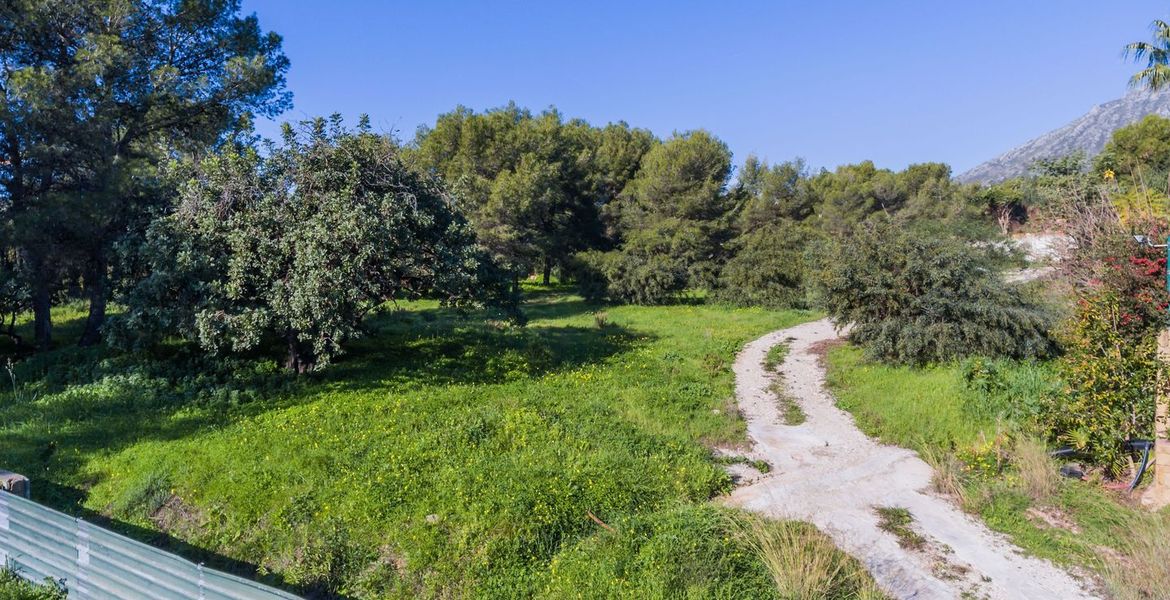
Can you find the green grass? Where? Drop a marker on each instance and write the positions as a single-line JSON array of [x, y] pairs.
[[929, 410], [15, 587], [444, 456], [775, 357], [897, 521], [916, 408]]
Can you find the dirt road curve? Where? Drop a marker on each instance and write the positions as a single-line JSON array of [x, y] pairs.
[[829, 473]]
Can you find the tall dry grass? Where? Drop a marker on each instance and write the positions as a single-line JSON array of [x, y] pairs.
[[803, 562], [949, 477], [1039, 477], [1140, 570]]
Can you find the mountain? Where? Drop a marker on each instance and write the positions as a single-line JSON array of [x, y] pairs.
[[1088, 133]]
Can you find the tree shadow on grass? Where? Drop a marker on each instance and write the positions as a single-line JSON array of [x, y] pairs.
[[73, 403], [445, 347]]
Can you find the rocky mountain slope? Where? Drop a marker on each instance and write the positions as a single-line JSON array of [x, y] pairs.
[[1088, 133]]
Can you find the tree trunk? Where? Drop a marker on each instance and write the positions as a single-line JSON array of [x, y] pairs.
[[98, 298], [12, 335], [298, 360], [42, 297], [547, 275], [42, 302]]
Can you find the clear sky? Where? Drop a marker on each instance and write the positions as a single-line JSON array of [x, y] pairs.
[[897, 82]]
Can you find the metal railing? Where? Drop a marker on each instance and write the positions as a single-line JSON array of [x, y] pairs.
[[39, 543]]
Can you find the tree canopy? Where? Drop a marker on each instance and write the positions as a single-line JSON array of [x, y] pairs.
[[299, 244], [93, 94], [532, 185]]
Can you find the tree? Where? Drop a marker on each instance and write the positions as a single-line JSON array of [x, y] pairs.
[[916, 299], [93, 94], [854, 193], [670, 223], [1139, 152], [1157, 56], [767, 267], [532, 185], [299, 245], [775, 192]]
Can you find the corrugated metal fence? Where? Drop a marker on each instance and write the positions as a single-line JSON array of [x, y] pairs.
[[40, 542]]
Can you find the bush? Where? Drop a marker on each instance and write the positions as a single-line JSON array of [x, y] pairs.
[[1011, 391], [296, 246], [638, 274], [767, 268], [1110, 364], [15, 587], [1109, 372], [917, 300]]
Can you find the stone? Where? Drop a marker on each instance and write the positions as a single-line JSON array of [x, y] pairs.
[[14, 482]]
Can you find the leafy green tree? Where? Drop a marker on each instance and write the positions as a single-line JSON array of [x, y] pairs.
[[1140, 152], [616, 155], [93, 93], [527, 218], [767, 267], [299, 245], [532, 185], [918, 299], [774, 192], [676, 212], [853, 193]]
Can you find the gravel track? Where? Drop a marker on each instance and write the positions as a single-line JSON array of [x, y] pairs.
[[826, 471]]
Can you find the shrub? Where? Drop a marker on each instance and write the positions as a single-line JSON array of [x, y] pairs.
[[803, 562], [631, 275], [1110, 363], [918, 300], [767, 268], [15, 587], [1109, 371], [1011, 391]]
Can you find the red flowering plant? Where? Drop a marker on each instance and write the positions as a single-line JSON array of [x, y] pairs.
[[1109, 366]]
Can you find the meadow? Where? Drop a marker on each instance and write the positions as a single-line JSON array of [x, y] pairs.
[[445, 455]]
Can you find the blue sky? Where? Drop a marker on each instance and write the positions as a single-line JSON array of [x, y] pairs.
[[833, 82]]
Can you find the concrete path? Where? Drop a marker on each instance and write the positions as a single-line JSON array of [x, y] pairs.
[[828, 472]]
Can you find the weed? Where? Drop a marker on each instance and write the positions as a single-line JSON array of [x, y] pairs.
[[790, 410], [803, 562], [950, 473], [738, 459], [1141, 570], [775, 357], [15, 587], [897, 521], [1039, 477]]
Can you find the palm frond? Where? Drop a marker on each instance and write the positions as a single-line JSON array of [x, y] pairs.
[[1161, 30], [1154, 77]]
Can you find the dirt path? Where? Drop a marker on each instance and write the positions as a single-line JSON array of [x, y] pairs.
[[829, 473]]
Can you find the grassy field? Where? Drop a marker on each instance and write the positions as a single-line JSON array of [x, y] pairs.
[[987, 459], [445, 456]]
